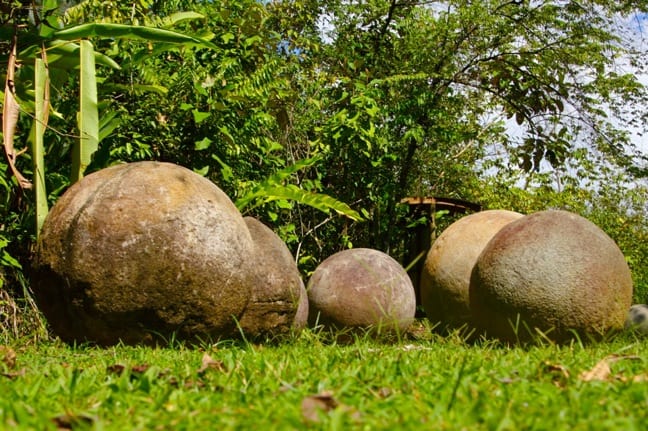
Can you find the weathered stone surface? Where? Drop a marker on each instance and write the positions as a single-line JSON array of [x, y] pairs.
[[301, 316], [277, 294], [142, 250], [558, 272], [637, 319], [361, 288], [445, 278]]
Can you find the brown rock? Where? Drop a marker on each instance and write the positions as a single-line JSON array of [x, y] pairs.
[[277, 294], [554, 271], [140, 251], [445, 278], [361, 288], [301, 316]]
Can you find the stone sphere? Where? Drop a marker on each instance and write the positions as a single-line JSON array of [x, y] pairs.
[[552, 271], [141, 252], [275, 298], [637, 319], [445, 278], [361, 288]]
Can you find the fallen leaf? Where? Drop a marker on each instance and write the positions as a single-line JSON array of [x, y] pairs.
[[140, 369], [602, 371], [8, 356], [382, 392], [14, 374], [208, 363], [559, 373], [116, 369], [72, 421], [190, 384], [313, 406]]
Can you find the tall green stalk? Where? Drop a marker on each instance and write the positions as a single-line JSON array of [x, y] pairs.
[[41, 84], [88, 116]]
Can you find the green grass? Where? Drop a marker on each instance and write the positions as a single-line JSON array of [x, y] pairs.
[[432, 383]]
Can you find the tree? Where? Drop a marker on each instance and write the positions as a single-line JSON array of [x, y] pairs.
[[416, 94]]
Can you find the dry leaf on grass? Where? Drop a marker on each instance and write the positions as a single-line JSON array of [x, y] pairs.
[[8, 356], [117, 369], [71, 421], [602, 371], [559, 373], [135, 372], [208, 363], [139, 369], [382, 392], [12, 375], [314, 406], [8, 359]]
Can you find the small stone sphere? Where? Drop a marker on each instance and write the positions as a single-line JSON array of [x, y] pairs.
[[445, 278], [143, 252], [553, 272], [361, 288], [637, 319]]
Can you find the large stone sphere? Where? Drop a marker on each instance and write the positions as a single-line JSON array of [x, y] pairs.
[[361, 288], [142, 252], [445, 278], [276, 298], [551, 271]]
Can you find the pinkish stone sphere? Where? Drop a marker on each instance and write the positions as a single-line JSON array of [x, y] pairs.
[[361, 288]]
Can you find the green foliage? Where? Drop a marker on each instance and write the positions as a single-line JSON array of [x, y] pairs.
[[112, 31], [273, 189]]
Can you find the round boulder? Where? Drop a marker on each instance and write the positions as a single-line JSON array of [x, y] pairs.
[[277, 299], [361, 288], [445, 279], [140, 252], [552, 271], [637, 319]]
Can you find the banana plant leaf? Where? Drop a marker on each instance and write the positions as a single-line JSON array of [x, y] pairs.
[[149, 34]]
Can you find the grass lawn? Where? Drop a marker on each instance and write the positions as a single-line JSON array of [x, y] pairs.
[[427, 382]]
